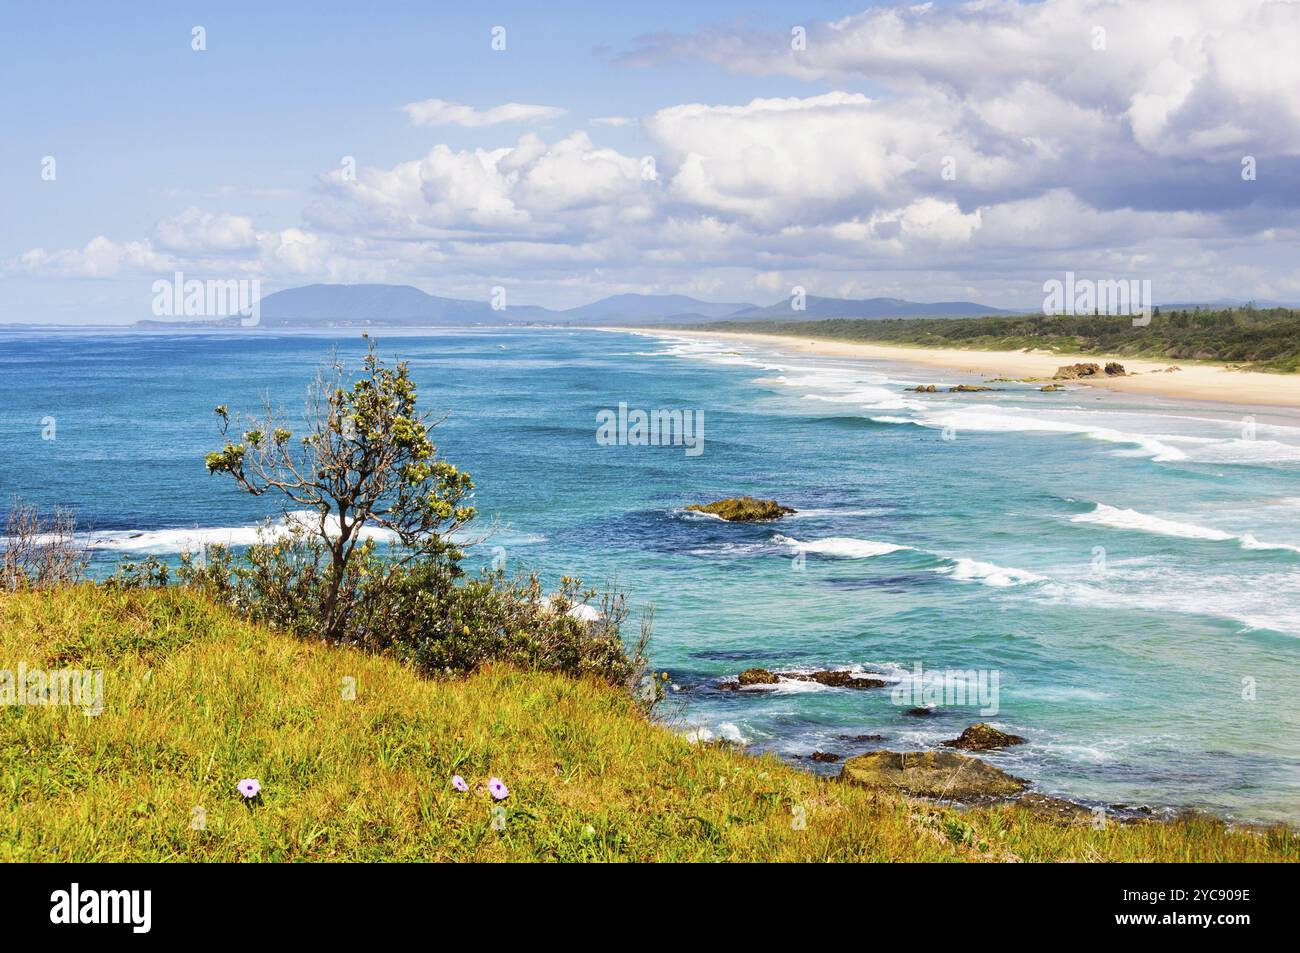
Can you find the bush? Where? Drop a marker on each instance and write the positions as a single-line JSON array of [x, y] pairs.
[[425, 612], [39, 552]]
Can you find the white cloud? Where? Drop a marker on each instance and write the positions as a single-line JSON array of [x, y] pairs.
[[439, 112], [99, 258], [195, 231]]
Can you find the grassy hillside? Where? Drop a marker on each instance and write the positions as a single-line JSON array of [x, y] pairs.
[[196, 699], [1267, 339]]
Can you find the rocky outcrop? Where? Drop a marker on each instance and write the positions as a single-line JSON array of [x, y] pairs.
[[1075, 371], [944, 775], [1055, 809], [924, 389], [1051, 388], [983, 737], [825, 757], [758, 677], [860, 739], [744, 509], [836, 679], [968, 389]]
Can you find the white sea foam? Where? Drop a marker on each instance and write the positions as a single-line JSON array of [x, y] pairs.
[[844, 546], [192, 539], [810, 513], [726, 731], [1001, 577], [1116, 518]]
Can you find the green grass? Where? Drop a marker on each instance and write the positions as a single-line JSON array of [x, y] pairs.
[[196, 699]]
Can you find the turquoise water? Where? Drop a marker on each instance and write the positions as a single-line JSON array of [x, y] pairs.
[[1127, 570]]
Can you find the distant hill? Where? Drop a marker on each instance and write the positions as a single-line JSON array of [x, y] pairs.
[[324, 305], [389, 305], [817, 307], [637, 307]]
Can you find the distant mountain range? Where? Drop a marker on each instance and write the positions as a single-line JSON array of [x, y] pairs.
[[816, 307], [405, 306]]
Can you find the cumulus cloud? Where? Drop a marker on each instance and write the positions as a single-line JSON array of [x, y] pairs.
[[531, 190], [194, 231], [439, 112], [1000, 141]]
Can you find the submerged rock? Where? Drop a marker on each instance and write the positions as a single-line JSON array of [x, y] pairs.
[[983, 737], [968, 389], [859, 739], [825, 757], [744, 509], [919, 712], [1049, 388], [934, 774]]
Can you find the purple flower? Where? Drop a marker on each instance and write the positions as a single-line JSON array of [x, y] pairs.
[[459, 783], [497, 788], [249, 787]]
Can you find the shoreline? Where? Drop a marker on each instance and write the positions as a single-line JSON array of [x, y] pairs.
[[1198, 381]]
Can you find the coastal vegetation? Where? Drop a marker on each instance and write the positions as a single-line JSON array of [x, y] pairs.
[[198, 698], [1265, 339]]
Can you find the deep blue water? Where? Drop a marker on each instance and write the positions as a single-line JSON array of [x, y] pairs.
[[1127, 568]]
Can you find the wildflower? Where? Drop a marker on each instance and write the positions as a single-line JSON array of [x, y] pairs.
[[249, 787], [459, 783], [498, 789]]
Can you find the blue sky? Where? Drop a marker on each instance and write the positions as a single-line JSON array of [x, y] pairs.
[[1122, 162]]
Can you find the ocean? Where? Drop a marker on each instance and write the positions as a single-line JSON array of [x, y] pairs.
[[1124, 572]]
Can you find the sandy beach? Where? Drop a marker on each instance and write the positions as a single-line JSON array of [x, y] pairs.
[[1194, 381]]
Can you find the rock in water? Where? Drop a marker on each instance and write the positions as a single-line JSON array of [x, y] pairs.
[[935, 774], [835, 679], [745, 509], [757, 676], [968, 389], [825, 756], [983, 737]]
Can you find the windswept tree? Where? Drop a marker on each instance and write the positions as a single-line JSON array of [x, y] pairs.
[[367, 461]]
